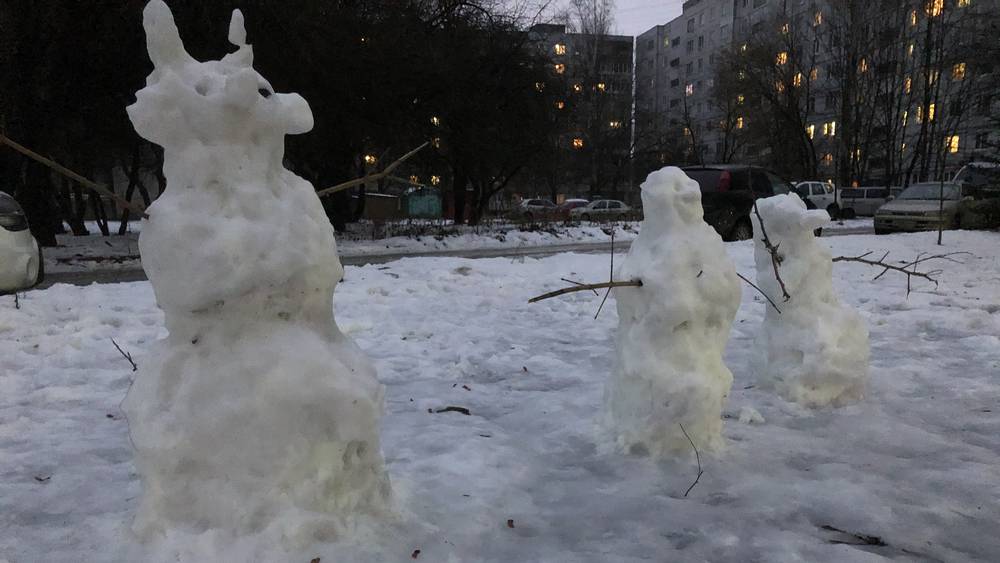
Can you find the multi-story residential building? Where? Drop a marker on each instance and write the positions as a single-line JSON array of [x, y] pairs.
[[886, 92], [592, 75]]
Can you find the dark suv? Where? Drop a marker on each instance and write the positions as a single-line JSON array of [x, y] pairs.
[[728, 192]]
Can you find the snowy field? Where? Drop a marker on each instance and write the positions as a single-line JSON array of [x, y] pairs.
[[912, 473]]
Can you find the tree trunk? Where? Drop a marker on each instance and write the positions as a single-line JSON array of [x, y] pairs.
[[458, 185], [35, 197]]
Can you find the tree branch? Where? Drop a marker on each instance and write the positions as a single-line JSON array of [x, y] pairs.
[[585, 287], [905, 267], [125, 355], [371, 177], [761, 291], [697, 457]]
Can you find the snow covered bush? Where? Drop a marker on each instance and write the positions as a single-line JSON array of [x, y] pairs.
[[255, 412], [673, 329], [815, 352]]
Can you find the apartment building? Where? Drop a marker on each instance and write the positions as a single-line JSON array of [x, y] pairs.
[[594, 76], [888, 92]]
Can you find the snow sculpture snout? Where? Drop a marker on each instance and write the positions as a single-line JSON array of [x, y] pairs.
[[673, 329], [255, 415], [815, 352]]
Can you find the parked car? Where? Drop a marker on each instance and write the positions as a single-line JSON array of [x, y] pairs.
[[21, 265], [728, 192], [862, 201], [979, 179], [919, 208], [534, 209], [569, 205], [821, 194], [602, 209]]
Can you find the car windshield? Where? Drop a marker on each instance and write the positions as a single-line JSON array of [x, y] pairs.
[[979, 176], [930, 191]]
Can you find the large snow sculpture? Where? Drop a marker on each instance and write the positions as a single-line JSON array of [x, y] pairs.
[[673, 329], [255, 412], [815, 352]]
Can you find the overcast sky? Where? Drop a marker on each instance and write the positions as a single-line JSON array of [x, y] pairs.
[[633, 17]]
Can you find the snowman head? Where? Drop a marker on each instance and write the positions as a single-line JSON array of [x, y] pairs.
[[670, 197], [787, 218], [223, 102]]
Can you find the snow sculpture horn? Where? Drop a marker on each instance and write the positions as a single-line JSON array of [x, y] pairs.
[[816, 351], [673, 329], [255, 414]]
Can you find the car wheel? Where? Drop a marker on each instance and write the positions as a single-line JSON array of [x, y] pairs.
[[585, 217], [742, 231], [834, 210], [848, 213], [881, 231], [622, 218]]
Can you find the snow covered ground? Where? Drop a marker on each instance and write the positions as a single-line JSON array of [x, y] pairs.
[[526, 476]]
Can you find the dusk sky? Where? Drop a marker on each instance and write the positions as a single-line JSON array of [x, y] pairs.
[[633, 17]]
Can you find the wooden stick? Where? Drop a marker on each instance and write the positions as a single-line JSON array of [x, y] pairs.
[[99, 188], [371, 177], [611, 276], [697, 457], [761, 291], [585, 287], [772, 249]]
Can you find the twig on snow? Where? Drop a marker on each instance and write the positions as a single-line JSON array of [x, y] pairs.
[[697, 457], [17, 301], [611, 276], [905, 268], [772, 249], [125, 355], [761, 291]]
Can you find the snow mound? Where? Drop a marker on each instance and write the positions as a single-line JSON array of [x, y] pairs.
[[256, 412], [673, 329], [815, 352]]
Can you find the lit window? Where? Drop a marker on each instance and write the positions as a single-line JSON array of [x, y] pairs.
[[615, 124], [743, 48], [818, 18], [814, 74], [539, 86], [435, 180], [797, 80], [930, 112], [739, 122], [687, 132], [578, 143], [436, 142], [920, 114], [782, 58], [577, 88], [913, 18], [964, 3], [435, 120], [560, 68], [785, 29], [830, 129], [910, 49], [907, 84], [951, 143], [601, 86], [857, 154], [741, 75], [740, 99], [863, 66], [958, 71], [560, 104], [689, 89], [414, 179], [828, 159], [933, 76], [370, 159], [902, 147], [560, 49], [906, 114], [811, 131], [935, 7], [779, 86]]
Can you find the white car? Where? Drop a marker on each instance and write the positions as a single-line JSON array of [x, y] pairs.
[[20, 258], [602, 209], [820, 193]]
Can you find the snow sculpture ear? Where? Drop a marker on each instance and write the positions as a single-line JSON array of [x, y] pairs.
[[162, 39], [238, 37]]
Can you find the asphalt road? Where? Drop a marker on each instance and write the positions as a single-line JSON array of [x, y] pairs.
[[137, 274]]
